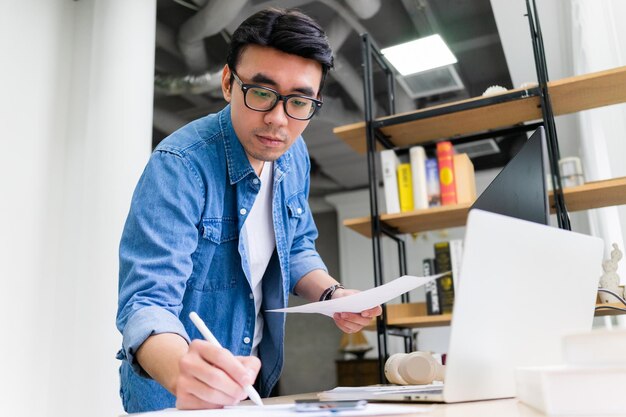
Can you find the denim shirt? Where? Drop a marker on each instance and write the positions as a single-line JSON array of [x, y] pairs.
[[181, 251]]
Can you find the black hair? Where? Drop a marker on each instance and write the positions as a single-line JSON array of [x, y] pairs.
[[287, 30]]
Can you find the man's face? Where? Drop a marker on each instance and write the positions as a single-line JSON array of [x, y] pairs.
[[265, 136]]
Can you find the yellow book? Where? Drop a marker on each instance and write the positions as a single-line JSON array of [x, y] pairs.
[[405, 187]]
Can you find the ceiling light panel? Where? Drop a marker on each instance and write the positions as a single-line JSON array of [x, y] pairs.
[[419, 55]]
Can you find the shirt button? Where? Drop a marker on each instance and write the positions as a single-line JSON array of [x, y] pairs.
[[251, 296], [255, 181], [299, 210], [246, 340], [243, 211]]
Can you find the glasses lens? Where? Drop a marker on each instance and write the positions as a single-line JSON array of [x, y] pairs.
[[260, 99], [300, 107]]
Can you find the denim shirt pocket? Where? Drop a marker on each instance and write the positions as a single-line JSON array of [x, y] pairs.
[[297, 205], [219, 230], [218, 253], [296, 212]]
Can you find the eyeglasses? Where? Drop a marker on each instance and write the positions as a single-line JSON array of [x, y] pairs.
[[264, 99]]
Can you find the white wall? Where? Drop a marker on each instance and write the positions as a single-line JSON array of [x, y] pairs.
[[599, 43], [72, 153], [29, 126], [580, 36]]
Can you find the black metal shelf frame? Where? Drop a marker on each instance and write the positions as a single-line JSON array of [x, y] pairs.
[[370, 53]]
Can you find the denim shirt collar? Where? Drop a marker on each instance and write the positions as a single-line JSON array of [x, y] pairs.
[[236, 158]]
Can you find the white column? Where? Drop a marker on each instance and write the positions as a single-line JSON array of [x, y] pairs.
[[35, 40], [108, 144], [76, 113]]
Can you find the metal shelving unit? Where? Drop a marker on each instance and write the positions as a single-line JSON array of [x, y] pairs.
[[533, 103]]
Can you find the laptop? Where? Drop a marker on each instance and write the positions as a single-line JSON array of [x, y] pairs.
[[519, 190], [523, 285]]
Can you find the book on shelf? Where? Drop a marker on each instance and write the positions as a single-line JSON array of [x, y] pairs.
[[445, 284], [432, 182], [464, 178], [405, 188], [432, 295], [456, 255], [417, 156], [389, 164], [447, 184]]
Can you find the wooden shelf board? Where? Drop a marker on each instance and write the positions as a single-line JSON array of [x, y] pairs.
[[413, 315], [610, 312], [568, 95], [595, 194], [415, 221]]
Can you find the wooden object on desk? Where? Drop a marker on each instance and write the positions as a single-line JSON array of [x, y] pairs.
[[567, 95], [595, 194], [357, 372]]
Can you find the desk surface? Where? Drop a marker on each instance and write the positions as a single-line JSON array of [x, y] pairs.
[[495, 408]]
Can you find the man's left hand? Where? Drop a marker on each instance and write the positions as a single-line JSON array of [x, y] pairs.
[[353, 322]]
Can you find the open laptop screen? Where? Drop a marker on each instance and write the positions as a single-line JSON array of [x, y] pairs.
[[519, 190]]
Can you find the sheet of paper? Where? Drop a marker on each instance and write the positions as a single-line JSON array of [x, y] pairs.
[[363, 300], [287, 410]]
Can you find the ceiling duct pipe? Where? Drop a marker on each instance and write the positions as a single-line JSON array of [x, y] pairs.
[[166, 39], [188, 84], [199, 3], [365, 9], [337, 33], [208, 21]]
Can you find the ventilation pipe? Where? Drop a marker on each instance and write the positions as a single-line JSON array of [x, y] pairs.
[[217, 15], [166, 39], [199, 3], [349, 78], [208, 21], [365, 9], [188, 84]]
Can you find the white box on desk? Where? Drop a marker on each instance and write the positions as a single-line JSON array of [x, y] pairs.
[[595, 348], [567, 390]]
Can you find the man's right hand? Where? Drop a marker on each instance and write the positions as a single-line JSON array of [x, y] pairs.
[[212, 377]]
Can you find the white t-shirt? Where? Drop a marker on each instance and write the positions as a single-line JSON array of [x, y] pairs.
[[260, 243]]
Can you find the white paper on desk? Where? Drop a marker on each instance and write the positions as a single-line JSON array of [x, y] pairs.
[[363, 300], [287, 410]]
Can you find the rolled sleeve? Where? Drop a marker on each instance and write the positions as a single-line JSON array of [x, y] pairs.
[[303, 263], [144, 323]]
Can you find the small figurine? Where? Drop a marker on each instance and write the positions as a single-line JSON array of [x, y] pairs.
[[610, 280]]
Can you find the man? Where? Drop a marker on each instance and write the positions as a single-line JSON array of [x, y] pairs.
[[219, 224]]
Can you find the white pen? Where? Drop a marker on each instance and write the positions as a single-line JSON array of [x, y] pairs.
[[206, 333]]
